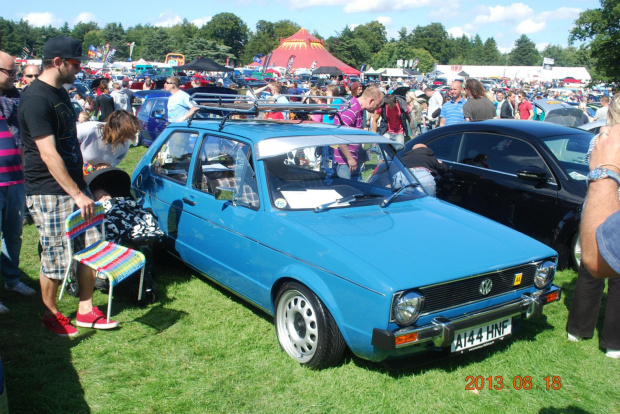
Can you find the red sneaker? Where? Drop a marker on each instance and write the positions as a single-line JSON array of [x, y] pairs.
[[94, 319], [60, 325]]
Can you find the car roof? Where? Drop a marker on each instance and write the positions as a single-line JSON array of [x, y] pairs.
[[550, 104], [525, 129]]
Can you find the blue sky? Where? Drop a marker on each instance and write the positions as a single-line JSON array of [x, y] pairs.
[[545, 22]]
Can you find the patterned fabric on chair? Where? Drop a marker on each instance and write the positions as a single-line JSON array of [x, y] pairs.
[[111, 260]]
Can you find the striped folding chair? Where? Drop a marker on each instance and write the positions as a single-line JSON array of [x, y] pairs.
[[111, 260]]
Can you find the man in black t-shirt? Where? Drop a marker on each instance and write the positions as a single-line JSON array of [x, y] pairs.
[[55, 185]]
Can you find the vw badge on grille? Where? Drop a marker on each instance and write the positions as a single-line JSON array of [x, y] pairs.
[[485, 286]]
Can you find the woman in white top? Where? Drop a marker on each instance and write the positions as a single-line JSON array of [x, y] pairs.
[[105, 144]]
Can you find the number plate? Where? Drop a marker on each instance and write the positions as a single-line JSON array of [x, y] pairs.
[[474, 337]]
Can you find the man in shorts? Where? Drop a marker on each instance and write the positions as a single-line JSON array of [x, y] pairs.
[[55, 185]]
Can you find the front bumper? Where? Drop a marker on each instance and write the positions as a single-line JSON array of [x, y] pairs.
[[441, 330]]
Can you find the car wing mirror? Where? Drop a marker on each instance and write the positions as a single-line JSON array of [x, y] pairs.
[[532, 174]]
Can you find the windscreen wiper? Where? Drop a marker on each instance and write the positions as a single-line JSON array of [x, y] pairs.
[[342, 200], [396, 193]]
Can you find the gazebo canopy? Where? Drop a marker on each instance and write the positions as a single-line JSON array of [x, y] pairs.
[[307, 49], [204, 65]]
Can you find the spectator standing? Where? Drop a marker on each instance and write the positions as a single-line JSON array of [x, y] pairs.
[[415, 115], [525, 109], [601, 113], [90, 106], [55, 185], [435, 102], [127, 91], [180, 106], [148, 84], [346, 156], [31, 72], [478, 106], [394, 116], [121, 101], [12, 196], [599, 249], [509, 106], [105, 102], [333, 93], [499, 98], [356, 89], [452, 110]]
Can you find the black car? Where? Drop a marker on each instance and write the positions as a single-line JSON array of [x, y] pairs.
[[528, 175]]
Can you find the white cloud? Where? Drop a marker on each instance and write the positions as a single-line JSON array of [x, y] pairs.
[[352, 26], [382, 6], [202, 21], [505, 49], [168, 19], [42, 19], [384, 20], [445, 13], [515, 11], [85, 17], [529, 26], [563, 13], [457, 32], [542, 46], [358, 6]]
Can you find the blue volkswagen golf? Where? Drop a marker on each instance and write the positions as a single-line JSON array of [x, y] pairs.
[[374, 265]]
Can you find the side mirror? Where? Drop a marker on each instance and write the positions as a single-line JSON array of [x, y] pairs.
[[157, 115], [532, 174]]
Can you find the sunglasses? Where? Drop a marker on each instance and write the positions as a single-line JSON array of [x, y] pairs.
[[10, 73], [31, 76], [73, 62]]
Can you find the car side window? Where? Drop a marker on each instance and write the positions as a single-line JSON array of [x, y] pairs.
[[500, 153], [226, 163], [159, 108], [446, 148], [174, 156], [147, 106]]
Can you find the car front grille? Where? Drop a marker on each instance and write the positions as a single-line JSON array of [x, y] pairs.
[[459, 292]]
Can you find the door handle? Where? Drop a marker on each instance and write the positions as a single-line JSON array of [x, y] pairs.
[[189, 201]]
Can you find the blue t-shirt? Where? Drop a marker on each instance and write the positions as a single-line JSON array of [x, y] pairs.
[[608, 238], [453, 112], [178, 105]]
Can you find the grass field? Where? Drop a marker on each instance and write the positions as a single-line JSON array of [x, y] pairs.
[[201, 350]]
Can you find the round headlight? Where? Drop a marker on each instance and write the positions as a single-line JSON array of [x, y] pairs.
[[544, 274], [408, 307]]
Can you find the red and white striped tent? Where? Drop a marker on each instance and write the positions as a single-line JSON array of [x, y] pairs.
[[307, 49]]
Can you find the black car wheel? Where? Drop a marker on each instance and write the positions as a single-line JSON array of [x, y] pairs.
[[305, 328]]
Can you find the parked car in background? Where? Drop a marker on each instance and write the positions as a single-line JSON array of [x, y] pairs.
[[560, 113], [152, 114], [528, 175], [255, 206]]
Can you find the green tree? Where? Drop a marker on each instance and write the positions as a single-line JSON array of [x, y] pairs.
[[524, 53], [267, 37], [156, 45], [80, 30], [435, 39], [491, 54], [227, 29], [393, 51], [208, 49], [114, 35], [602, 28], [139, 34], [461, 50], [181, 33], [93, 38], [476, 51]]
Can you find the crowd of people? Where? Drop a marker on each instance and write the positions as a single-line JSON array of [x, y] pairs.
[[47, 150]]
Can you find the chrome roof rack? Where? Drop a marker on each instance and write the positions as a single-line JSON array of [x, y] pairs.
[[224, 105]]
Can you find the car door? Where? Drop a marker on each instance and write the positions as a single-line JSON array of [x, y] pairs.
[[505, 179], [157, 118], [171, 167], [221, 235]]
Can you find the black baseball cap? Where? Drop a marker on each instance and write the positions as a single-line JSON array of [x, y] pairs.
[[63, 47]]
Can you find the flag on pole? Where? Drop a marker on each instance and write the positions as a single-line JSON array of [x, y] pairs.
[[313, 65], [266, 64], [289, 65], [257, 58]]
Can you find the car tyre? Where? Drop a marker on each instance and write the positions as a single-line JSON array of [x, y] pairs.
[[305, 328], [576, 250]]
